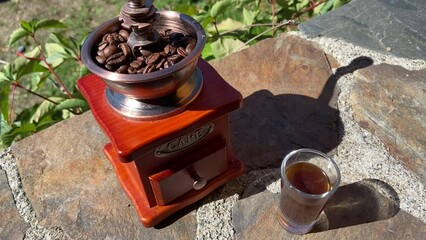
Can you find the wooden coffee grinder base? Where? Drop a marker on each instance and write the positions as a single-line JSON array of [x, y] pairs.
[[165, 165]]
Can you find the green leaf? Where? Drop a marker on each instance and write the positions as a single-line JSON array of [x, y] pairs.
[[207, 21], [26, 26], [219, 7], [4, 100], [4, 126], [19, 62], [283, 3], [249, 16], [29, 68], [17, 132], [185, 9], [225, 46], [22, 66], [3, 77], [48, 23], [37, 80], [327, 6], [44, 108], [84, 71], [46, 122], [60, 39], [227, 25], [207, 52], [56, 54], [72, 103], [17, 34], [7, 69], [338, 3], [70, 47], [25, 128]]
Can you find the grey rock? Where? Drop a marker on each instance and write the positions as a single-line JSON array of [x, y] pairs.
[[390, 102], [345, 216], [72, 186], [12, 225], [391, 26]]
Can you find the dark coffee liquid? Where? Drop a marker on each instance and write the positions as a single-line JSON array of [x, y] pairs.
[[307, 178]]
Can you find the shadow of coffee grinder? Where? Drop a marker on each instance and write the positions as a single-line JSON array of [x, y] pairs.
[[164, 109]]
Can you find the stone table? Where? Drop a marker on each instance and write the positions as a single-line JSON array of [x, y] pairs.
[[295, 95]]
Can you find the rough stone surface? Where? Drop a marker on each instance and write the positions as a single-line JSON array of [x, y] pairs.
[[382, 25], [71, 185], [12, 225], [390, 101], [72, 189], [289, 100], [348, 215]]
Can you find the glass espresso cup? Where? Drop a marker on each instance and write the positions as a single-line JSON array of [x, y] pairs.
[[308, 179]]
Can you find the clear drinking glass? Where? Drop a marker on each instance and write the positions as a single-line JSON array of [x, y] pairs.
[[308, 179]]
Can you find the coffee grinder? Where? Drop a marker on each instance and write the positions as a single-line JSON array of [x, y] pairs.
[[169, 129]]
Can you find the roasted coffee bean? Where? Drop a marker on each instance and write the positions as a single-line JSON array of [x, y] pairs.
[[102, 45], [145, 53], [124, 33], [189, 47], [140, 71], [122, 69], [168, 64], [135, 64], [160, 64], [147, 67], [140, 59], [101, 59], [116, 59], [110, 39], [115, 54], [150, 69], [110, 67], [104, 38], [169, 49], [152, 59], [117, 37], [131, 70], [110, 50], [125, 48], [174, 58], [181, 51], [100, 53]]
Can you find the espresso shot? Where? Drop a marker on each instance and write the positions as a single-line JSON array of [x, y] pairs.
[[308, 179]]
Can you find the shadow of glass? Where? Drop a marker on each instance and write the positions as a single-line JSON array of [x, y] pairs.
[[362, 202], [268, 127]]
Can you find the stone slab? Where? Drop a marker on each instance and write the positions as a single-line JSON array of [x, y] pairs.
[[387, 26], [290, 100], [356, 211], [390, 102], [72, 185], [12, 225]]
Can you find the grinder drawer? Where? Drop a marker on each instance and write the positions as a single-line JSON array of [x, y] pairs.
[[172, 183]]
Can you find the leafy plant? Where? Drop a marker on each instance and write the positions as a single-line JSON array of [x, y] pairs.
[[30, 72], [235, 24], [49, 71]]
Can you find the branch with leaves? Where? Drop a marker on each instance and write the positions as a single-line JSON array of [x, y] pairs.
[[29, 72]]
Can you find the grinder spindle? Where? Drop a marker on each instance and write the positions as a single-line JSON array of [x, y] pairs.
[[138, 16]]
